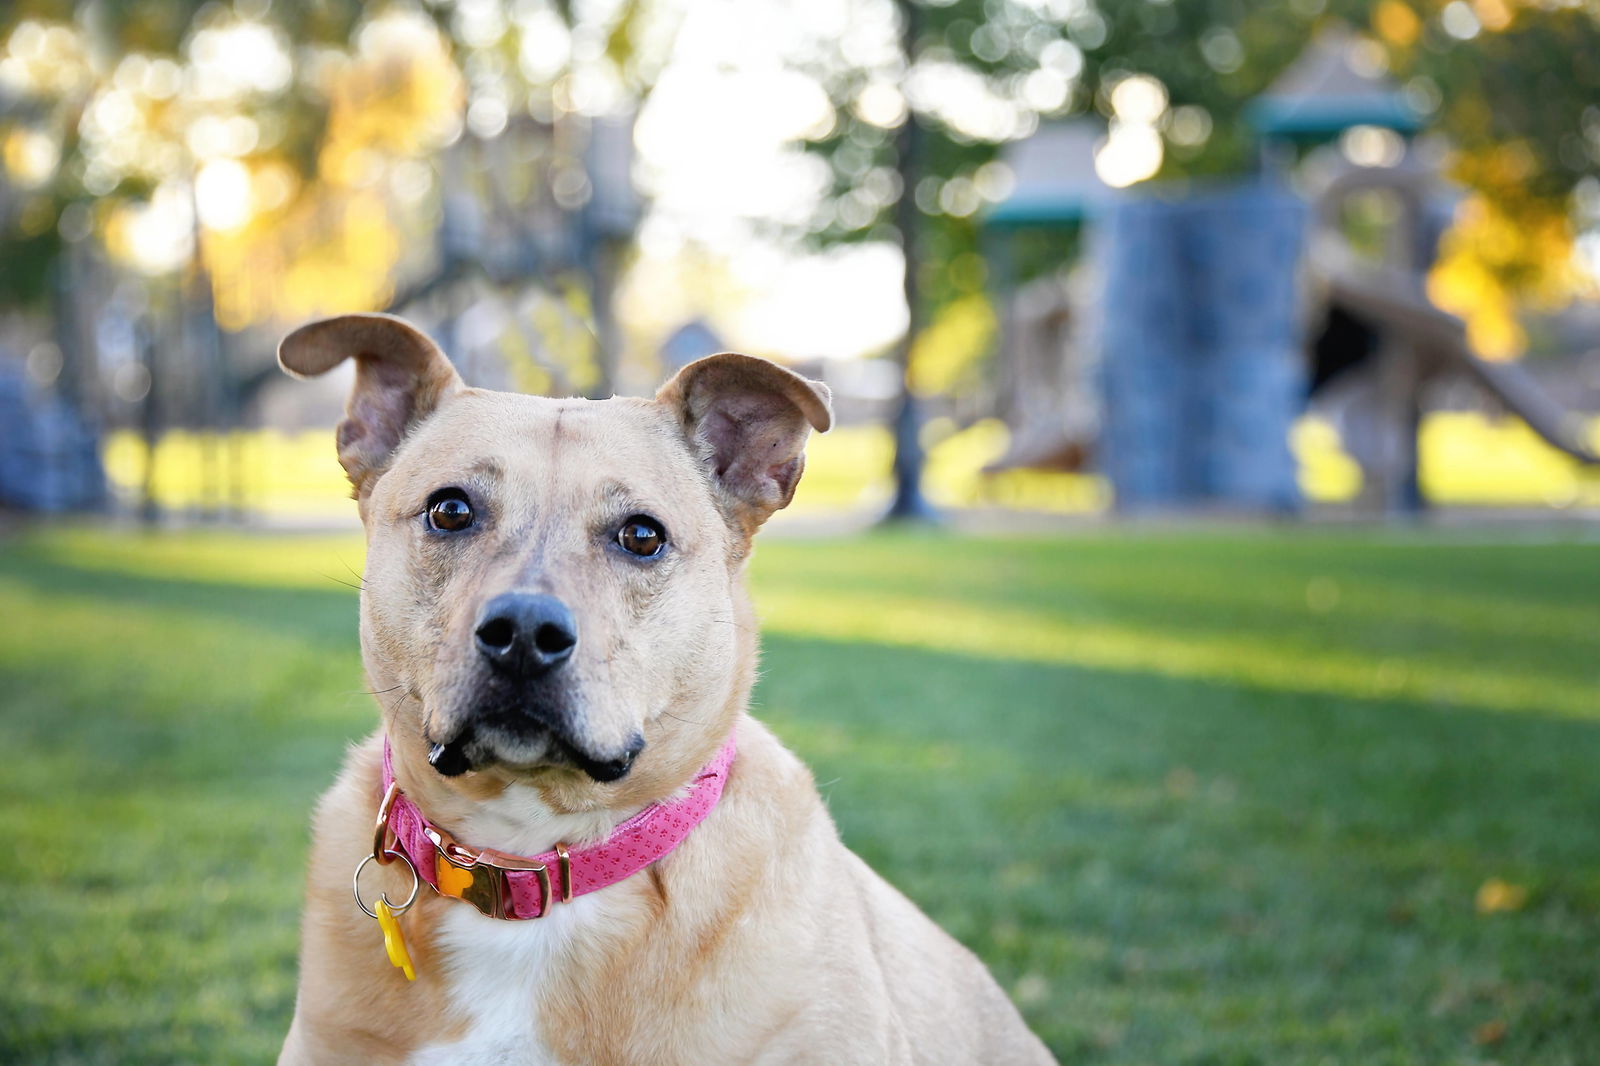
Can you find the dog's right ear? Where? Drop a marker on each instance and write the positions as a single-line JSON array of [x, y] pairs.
[[401, 377]]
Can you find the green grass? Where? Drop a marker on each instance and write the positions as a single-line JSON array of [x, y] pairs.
[[1199, 799]]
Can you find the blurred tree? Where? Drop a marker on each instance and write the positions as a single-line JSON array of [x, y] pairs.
[[289, 147], [102, 104], [284, 151], [1518, 86]]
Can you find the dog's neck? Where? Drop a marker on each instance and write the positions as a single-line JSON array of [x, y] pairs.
[[520, 822]]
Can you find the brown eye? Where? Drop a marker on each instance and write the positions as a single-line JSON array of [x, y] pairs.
[[449, 511], [642, 536]]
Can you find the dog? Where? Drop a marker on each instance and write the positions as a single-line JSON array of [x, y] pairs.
[[578, 845]]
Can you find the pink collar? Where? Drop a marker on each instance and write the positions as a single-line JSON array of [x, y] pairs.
[[512, 887]]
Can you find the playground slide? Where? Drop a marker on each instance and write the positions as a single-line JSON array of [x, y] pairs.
[[1394, 304]]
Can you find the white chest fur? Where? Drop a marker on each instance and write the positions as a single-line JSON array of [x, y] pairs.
[[493, 970]]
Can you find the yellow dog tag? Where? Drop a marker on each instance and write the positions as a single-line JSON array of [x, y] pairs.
[[394, 942]]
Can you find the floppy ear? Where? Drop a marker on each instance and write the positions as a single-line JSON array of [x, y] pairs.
[[747, 419], [401, 377]]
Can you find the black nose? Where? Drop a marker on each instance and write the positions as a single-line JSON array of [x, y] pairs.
[[526, 634]]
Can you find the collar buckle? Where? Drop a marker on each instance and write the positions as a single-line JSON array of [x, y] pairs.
[[479, 877]]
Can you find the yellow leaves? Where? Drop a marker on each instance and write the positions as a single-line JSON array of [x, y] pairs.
[[273, 184], [1508, 246], [1396, 23], [1499, 251], [294, 250], [1503, 166], [30, 156], [1495, 895], [1494, 14], [1462, 283], [214, 131], [400, 94], [326, 251]]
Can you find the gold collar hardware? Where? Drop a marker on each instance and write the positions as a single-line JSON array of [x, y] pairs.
[[479, 877]]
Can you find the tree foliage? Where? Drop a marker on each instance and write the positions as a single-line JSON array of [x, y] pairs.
[[293, 146], [1513, 84]]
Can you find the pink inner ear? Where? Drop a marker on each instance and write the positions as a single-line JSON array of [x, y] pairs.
[[385, 410], [379, 412], [755, 441], [723, 431]]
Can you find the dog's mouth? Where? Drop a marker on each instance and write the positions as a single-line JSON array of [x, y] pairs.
[[451, 760], [473, 749]]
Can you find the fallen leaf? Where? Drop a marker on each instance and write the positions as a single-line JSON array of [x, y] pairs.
[[1490, 1032], [1497, 895]]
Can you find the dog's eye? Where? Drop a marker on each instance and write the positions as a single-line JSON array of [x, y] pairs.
[[642, 535], [449, 511]]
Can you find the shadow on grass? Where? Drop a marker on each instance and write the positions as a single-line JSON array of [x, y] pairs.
[[310, 614]]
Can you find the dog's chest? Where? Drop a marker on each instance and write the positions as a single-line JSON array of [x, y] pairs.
[[493, 970]]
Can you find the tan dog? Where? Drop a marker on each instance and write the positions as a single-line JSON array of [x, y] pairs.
[[554, 617]]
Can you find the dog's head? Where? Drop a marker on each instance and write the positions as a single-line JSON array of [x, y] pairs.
[[553, 588]]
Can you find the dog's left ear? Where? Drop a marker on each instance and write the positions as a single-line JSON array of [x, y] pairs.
[[748, 419]]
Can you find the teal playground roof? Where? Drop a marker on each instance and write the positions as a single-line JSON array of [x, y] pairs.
[[1055, 181], [1299, 119], [1041, 210], [1330, 87]]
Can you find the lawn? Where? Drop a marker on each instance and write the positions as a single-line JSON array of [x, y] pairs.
[[1270, 797]]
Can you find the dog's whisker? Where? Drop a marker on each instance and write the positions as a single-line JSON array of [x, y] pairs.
[[353, 571], [341, 581], [732, 622], [391, 706]]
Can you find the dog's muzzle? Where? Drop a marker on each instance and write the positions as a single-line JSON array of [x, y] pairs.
[[471, 749]]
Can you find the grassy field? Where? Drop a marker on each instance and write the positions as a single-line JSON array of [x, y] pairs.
[[1258, 797]]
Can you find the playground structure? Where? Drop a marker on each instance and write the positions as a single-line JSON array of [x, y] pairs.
[[1217, 314], [1205, 321]]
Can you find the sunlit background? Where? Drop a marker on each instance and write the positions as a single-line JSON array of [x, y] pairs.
[[1244, 395], [1312, 257]]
